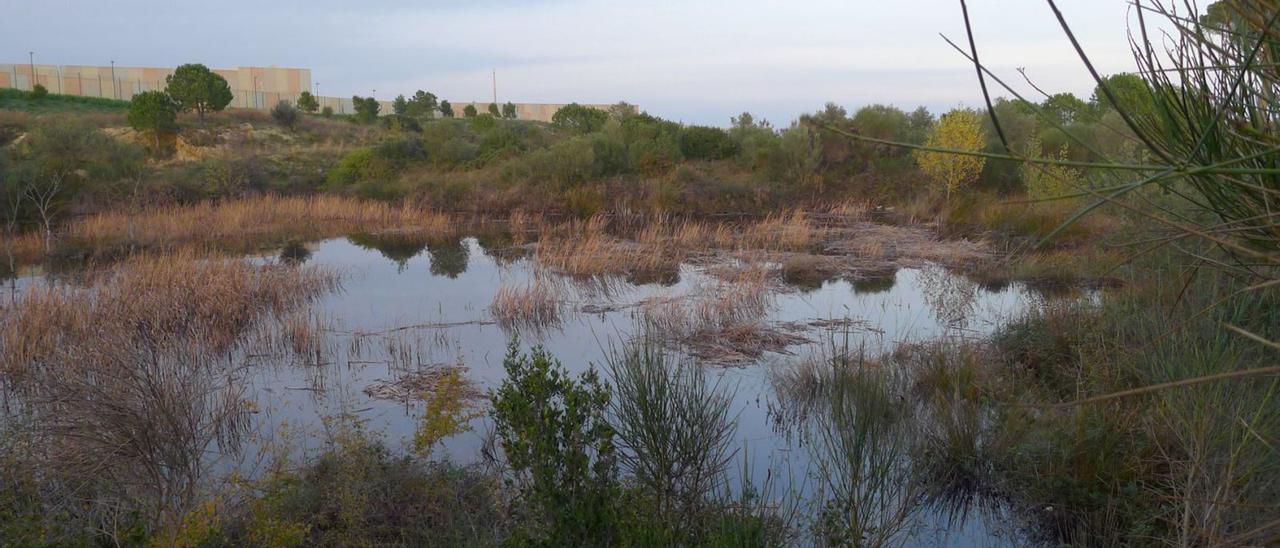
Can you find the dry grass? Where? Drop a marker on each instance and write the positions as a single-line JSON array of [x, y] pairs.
[[127, 379], [261, 217], [424, 381], [787, 231], [720, 322], [151, 299], [534, 305]]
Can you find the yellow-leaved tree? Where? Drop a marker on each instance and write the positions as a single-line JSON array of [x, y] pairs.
[[960, 129]]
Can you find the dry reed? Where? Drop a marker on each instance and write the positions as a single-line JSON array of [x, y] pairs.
[[534, 305], [243, 223], [152, 298]]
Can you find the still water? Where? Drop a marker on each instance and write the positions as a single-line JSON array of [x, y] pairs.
[[403, 309]]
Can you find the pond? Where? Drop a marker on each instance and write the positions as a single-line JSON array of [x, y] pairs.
[[401, 309], [407, 308]]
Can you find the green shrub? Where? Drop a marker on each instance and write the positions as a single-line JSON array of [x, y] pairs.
[[357, 493], [450, 142], [39, 92], [484, 122], [706, 143], [559, 445], [655, 156], [359, 165], [579, 119], [401, 150], [286, 115]]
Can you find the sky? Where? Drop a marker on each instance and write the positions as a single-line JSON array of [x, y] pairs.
[[695, 61]]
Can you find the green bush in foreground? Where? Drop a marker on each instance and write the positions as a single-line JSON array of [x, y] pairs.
[[554, 432]]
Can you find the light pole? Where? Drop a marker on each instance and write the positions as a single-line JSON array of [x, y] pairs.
[[115, 88], [31, 60]]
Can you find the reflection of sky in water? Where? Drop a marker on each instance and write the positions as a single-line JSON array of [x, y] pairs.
[[455, 282], [380, 294]]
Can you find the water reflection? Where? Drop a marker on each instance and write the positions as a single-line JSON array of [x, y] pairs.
[[449, 256], [398, 247], [294, 252], [875, 281]]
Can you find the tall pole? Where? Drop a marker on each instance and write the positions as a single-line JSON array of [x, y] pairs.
[[31, 60], [495, 86], [115, 88]]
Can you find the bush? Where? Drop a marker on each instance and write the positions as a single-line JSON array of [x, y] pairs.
[[286, 115], [579, 119], [358, 493], [39, 92], [554, 433], [451, 142], [327, 112], [359, 165], [401, 150], [706, 143]]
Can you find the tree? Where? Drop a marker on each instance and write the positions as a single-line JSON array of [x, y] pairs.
[[446, 109], [307, 102], [195, 87], [509, 110], [470, 111], [623, 110], [153, 112], [580, 119], [1065, 108], [958, 130], [1130, 90], [400, 105], [366, 109], [493, 109], [424, 105]]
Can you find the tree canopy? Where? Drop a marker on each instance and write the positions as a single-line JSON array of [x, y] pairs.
[[153, 112], [959, 130], [307, 102], [580, 119], [194, 87]]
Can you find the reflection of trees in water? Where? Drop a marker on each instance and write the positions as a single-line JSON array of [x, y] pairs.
[[399, 247], [501, 247], [874, 281], [294, 252], [449, 256], [952, 298]]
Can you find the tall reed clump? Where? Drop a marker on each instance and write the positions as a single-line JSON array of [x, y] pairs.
[[248, 222], [587, 249], [859, 423], [675, 431], [534, 305], [127, 385]]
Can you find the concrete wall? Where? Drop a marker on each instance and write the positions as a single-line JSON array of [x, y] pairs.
[[252, 87]]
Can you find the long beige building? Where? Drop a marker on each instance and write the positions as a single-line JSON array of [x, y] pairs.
[[252, 87]]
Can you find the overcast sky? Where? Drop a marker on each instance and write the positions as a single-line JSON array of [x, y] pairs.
[[698, 61]]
